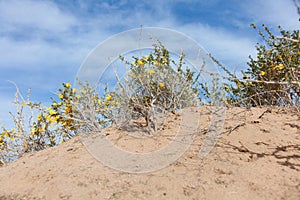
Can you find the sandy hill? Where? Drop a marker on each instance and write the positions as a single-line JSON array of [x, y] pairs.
[[257, 157]]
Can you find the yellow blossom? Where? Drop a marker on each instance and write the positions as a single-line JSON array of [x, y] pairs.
[[39, 117], [74, 90], [262, 73], [24, 104], [40, 130], [11, 137], [61, 96], [48, 118], [52, 112], [161, 85], [54, 104], [139, 62], [280, 66], [52, 119], [151, 72], [68, 85], [33, 131], [108, 97]]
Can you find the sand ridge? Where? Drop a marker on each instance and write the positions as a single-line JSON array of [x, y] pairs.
[[257, 156]]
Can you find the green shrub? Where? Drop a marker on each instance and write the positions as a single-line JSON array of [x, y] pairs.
[[156, 84], [273, 77]]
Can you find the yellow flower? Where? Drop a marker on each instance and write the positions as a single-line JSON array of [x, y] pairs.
[[139, 62], [161, 85], [52, 119], [39, 117], [280, 66], [54, 104], [298, 52], [24, 104], [108, 97], [78, 96], [61, 96], [11, 137], [32, 132], [52, 112], [74, 90], [48, 118], [262, 73], [68, 85], [40, 130], [151, 72]]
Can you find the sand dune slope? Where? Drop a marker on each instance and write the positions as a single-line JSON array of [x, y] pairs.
[[257, 157]]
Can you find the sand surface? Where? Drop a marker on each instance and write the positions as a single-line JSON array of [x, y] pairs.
[[257, 156]]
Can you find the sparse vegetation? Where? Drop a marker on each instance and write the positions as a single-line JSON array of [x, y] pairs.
[[273, 77], [154, 84]]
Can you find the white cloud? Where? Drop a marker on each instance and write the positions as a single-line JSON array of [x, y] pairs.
[[52, 38], [279, 12], [229, 47], [39, 54], [34, 14]]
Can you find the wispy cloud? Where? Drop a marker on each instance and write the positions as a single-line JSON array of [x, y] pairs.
[[42, 15], [273, 13]]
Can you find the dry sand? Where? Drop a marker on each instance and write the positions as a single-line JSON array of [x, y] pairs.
[[257, 157]]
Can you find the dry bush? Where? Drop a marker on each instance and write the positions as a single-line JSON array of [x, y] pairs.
[[273, 77], [155, 84], [38, 127]]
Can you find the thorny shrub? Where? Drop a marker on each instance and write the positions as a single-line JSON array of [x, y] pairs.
[[156, 84], [273, 77]]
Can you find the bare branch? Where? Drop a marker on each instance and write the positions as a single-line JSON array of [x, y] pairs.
[[286, 38]]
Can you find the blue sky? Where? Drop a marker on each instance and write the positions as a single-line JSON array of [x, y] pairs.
[[44, 42]]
